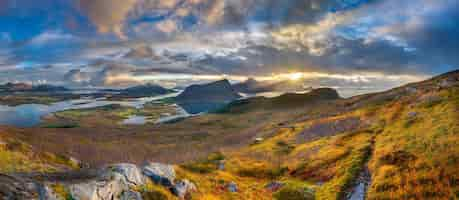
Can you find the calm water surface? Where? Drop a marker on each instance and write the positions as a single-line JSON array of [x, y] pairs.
[[28, 115]]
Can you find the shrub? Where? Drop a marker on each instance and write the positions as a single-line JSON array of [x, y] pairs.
[[206, 165], [294, 191], [257, 172]]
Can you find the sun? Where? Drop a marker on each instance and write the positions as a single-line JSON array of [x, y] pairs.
[[295, 76]]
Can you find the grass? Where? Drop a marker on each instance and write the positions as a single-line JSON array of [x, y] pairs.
[[214, 186], [17, 156], [420, 160], [206, 165], [295, 190], [152, 191]]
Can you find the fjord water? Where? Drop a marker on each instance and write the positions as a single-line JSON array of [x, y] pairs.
[[28, 115]]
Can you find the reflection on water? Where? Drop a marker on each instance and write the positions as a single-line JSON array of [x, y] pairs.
[[135, 120], [28, 115], [181, 114]]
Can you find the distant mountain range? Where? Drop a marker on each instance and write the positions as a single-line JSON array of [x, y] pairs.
[[24, 87], [251, 86], [145, 91]]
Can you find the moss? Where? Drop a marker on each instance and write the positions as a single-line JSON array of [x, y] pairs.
[[294, 191], [152, 191], [206, 165], [61, 191]]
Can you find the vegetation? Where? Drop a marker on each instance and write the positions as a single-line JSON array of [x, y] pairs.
[[294, 190], [17, 156]]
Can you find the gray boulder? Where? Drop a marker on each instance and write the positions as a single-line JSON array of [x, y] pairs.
[[160, 173], [232, 187], [131, 195], [221, 165], [47, 193], [183, 188], [12, 187], [100, 189], [131, 174]]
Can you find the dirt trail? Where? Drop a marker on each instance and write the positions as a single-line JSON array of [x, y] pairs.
[[363, 181], [362, 184]]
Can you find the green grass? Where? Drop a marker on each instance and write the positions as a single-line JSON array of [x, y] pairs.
[[295, 190]]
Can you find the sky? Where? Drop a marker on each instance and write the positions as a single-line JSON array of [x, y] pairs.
[[117, 43]]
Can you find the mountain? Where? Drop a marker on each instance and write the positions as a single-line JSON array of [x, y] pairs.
[[49, 88], [146, 90], [201, 98], [251, 86], [288, 100], [24, 87]]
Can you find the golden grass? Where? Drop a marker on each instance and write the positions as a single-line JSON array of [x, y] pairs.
[[418, 158]]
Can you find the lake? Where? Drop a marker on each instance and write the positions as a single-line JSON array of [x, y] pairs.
[[29, 115]]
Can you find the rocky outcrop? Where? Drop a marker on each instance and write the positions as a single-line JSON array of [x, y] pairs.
[[160, 173], [17, 188], [98, 190], [131, 195], [131, 173], [113, 182], [183, 188]]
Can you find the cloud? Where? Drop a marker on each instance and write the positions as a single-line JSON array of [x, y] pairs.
[[76, 76], [107, 15]]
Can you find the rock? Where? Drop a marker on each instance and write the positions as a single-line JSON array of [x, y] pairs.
[[183, 188], [411, 90], [17, 188], [274, 186], [131, 195], [446, 83], [221, 165], [47, 193], [232, 187], [99, 189], [75, 161], [412, 115], [160, 173], [131, 173], [259, 140]]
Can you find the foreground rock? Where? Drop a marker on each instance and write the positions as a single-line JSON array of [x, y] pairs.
[[131, 173], [114, 182], [17, 188], [160, 173], [184, 188]]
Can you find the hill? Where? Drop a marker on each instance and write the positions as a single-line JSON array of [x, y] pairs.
[[252, 86], [206, 97], [24, 87], [146, 90]]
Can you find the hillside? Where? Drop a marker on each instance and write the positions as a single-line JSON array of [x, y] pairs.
[[398, 144], [146, 90], [252, 86]]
